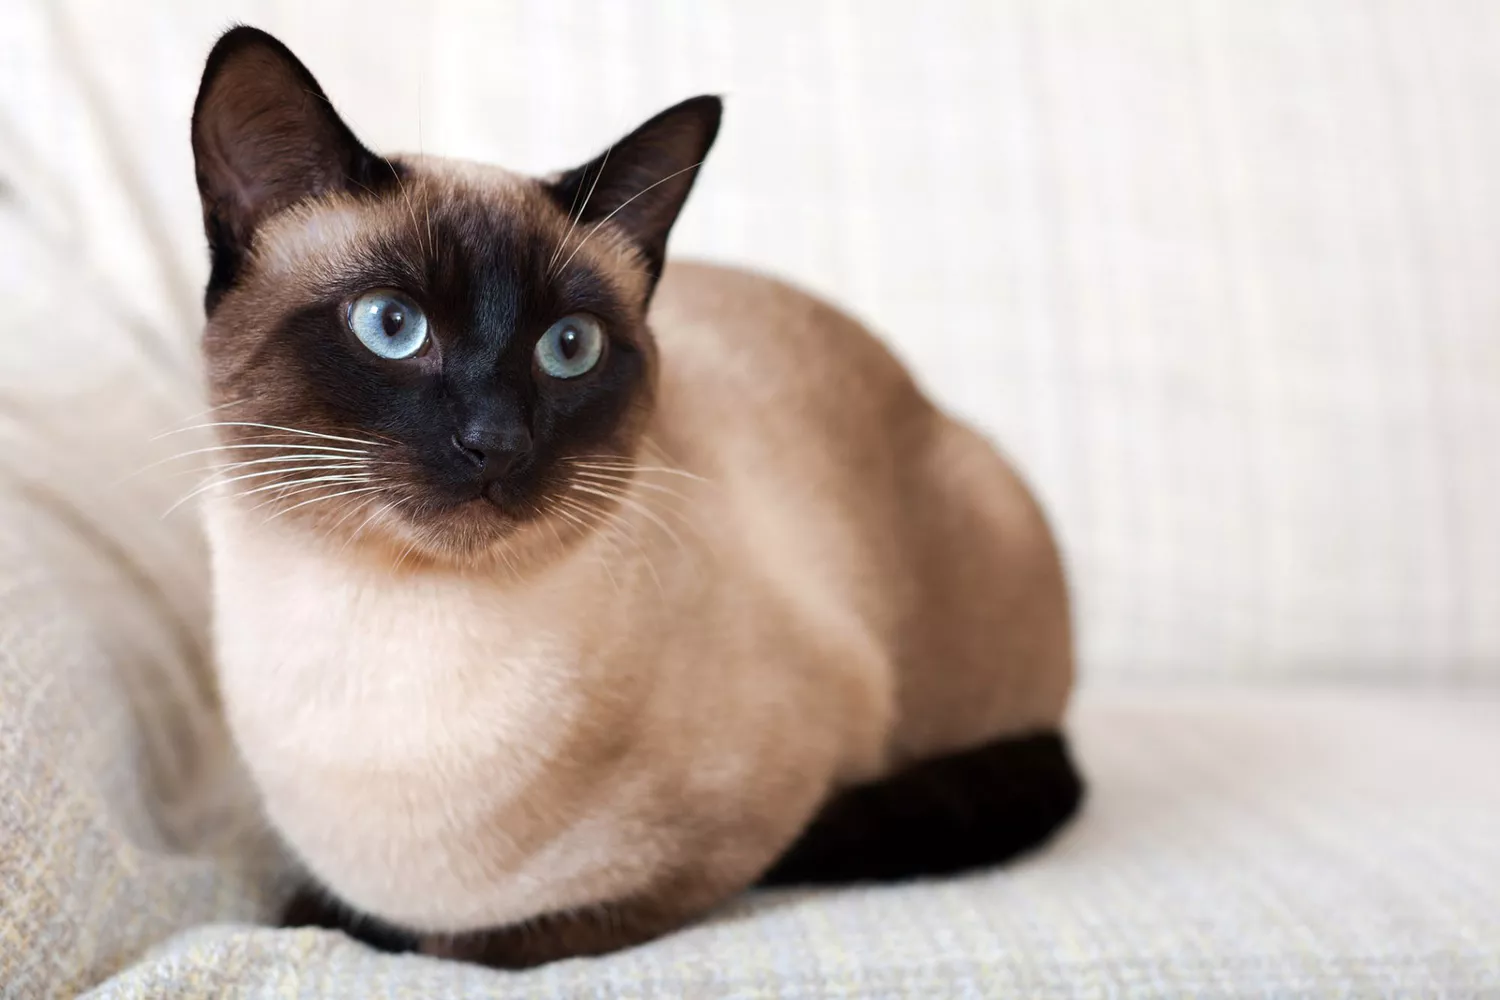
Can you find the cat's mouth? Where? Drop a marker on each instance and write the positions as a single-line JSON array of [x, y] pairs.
[[493, 504], [493, 493], [483, 503], [477, 490]]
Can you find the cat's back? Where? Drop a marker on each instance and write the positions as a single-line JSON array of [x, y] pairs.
[[767, 386], [912, 517], [799, 417], [781, 349]]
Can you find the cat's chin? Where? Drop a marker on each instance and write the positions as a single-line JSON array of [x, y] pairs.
[[471, 534]]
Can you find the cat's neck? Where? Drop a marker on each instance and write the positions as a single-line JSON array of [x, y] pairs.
[[631, 549]]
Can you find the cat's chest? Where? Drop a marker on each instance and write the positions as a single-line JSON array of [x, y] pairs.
[[415, 738], [330, 665]]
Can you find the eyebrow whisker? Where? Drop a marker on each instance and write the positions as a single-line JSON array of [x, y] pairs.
[[603, 162]]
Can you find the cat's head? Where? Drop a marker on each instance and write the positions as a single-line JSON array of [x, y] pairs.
[[427, 352]]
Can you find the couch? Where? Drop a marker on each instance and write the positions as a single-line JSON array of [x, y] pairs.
[[1223, 278]]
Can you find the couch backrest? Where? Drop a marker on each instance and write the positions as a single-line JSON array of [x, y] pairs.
[[1223, 277]]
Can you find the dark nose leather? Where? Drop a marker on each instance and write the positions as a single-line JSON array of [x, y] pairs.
[[494, 451]]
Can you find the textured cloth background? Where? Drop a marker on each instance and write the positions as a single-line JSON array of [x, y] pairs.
[[1223, 276], [1277, 846]]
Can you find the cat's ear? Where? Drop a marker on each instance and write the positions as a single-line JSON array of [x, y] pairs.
[[641, 182], [265, 137]]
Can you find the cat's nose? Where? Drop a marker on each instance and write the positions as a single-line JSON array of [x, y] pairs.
[[493, 451]]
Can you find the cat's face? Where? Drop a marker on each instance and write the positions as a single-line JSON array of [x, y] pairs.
[[432, 355]]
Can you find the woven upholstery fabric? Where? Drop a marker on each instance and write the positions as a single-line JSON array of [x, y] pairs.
[[1235, 843], [1220, 275]]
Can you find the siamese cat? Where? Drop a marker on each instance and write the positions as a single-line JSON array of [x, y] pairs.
[[561, 592]]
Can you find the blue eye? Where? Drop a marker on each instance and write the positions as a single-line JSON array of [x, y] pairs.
[[388, 323], [570, 347]]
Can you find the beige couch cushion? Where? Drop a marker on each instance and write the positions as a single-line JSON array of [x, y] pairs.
[[1235, 843]]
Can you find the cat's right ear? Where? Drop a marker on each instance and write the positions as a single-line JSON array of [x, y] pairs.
[[265, 137]]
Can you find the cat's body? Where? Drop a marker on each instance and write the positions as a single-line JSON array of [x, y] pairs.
[[652, 696], [770, 572]]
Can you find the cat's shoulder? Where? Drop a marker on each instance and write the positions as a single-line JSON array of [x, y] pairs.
[[692, 285], [732, 313]]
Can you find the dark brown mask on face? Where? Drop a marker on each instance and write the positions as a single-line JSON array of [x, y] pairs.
[[417, 347]]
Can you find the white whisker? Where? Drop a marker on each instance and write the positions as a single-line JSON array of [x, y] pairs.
[[618, 209], [296, 488], [391, 506], [322, 448], [510, 566], [603, 162], [632, 467], [606, 483], [620, 527], [410, 548], [353, 509], [332, 462], [401, 183], [304, 503], [633, 503], [305, 452], [556, 508], [547, 511], [205, 412], [313, 480], [215, 480], [270, 427], [601, 477]]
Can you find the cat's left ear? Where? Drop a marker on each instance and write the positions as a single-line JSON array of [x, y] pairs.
[[264, 138], [641, 182]]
